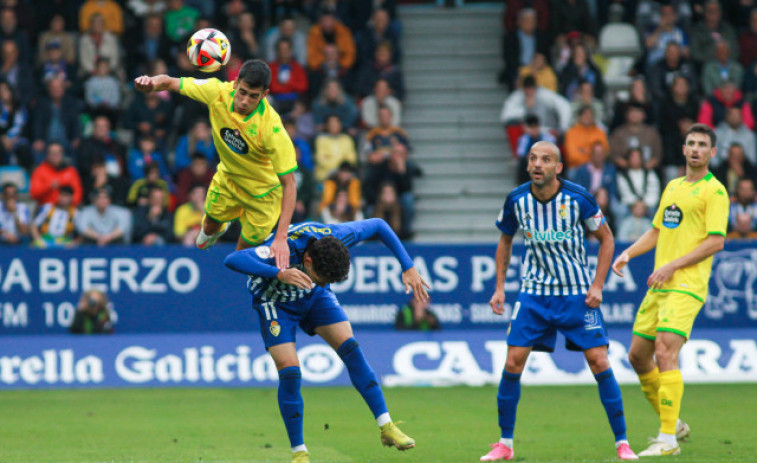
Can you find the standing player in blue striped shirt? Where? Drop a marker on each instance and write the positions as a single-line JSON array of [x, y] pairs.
[[300, 295], [557, 292]]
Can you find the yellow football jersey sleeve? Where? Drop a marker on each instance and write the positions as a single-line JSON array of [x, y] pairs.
[[202, 90]]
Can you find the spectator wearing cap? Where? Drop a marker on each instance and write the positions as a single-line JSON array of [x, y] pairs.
[[289, 81], [146, 152], [381, 68], [286, 29], [198, 172], [706, 33], [636, 134], [532, 133], [153, 223], [54, 65], [14, 216], [580, 139], [381, 96], [332, 148], [522, 44], [732, 130], [54, 225], [58, 34], [713, 109], [51, 175], [329, 29], [102, 223], [552, 108], [723, 67]]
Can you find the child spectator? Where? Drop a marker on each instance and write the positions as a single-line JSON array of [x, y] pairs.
[[632, 227], [54, 225]]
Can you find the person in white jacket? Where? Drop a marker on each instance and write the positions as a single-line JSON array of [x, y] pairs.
[[552, 108], [637, 183]]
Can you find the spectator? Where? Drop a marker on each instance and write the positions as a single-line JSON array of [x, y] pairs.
[[597, 173], [145, 153], [14, 147], [604, 202], [637, 182], [304, 120], [198, 172], [198, 140], [305, 188], [632, 227], [532, 133], [416, 316], [713, 108], [635, 134], [97, 44], [54, 224], [722, 68], [732, 130], [57, 34], [706, 33], [329, 70], [179, 20], [748, 41], [110, 10], [103, 223], [143, 9], [377, 32], [150, 114], [665, 71], [64, 8], [656, 40], [343, 180], [287, 28], [334, 101], [9, 30], [579, 69], [328, 29], [289, 81], [53, 66], [638, 96], [522, 44], [737, 167], [14, 216], [101, 146], [745, 203], [542, 72], [743, 230], [187, 220], [153, 45], [381, 96], [99, 178], [580, 139], [153, 223], [381, 68], [585, 97], [514, 7], [304, 153], [389, 208], [52, 174], [243, 39], [102, 91], [380, 139], [677, 113], [571, 15], [16, 72], [55, 119], [92, 314], [552, 108], [332, 148], [139, 191], [340, 210]]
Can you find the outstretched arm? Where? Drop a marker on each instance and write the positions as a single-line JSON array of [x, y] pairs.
[[157, 83]]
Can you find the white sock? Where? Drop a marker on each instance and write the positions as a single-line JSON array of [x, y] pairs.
[[669, 439], [621, 442], [383, 419], [299, 448], [506, 442], [203, 236], [679, 423]]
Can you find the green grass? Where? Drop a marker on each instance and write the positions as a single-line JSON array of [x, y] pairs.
[[449, 425]]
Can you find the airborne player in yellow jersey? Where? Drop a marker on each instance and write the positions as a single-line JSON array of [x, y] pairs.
[[688, 228], [254, 181]]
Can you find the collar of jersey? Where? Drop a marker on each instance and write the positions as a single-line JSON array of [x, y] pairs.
[[259, 110], [559, 189], [706, 178]]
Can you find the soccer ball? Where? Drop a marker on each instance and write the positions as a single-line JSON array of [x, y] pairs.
[[208, 49]]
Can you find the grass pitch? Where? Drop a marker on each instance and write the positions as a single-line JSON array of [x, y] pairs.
[[449, 425]]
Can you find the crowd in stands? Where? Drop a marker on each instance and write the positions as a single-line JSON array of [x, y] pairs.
[[85, 158], [698, 63]]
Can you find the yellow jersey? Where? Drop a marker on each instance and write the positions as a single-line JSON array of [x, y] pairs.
[[688, 213], [255, 149]]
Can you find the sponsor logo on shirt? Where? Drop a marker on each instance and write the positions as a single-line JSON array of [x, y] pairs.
[[672, 216], [548, 236], [234, 140]]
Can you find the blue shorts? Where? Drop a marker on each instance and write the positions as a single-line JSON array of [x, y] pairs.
[[536, 320], [279, 320]]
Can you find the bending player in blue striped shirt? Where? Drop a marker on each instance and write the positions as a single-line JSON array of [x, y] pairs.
[[300, 295], [557, 292]]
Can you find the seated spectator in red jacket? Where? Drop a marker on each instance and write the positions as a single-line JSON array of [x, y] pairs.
[[198, 171], [52, 174], [288, 79], [713, 109]]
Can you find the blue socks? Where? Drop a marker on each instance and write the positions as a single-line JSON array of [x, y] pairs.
[[291, 405], [609, 393], [508, 396], [362, 376]]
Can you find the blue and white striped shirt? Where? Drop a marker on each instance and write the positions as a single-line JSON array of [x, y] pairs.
[[555, 262]]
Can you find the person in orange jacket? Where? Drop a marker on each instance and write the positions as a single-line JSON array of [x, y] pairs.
[[52, 174], [330, 30]]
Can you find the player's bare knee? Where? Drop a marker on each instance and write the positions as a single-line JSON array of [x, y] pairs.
[[597, 360], [515, 364], [639, 361]]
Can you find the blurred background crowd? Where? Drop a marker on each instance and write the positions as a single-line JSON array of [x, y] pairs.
[[86, 159]]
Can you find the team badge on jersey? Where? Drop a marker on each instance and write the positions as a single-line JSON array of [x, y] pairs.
[[672, 216], [275, 328], [563, 211]]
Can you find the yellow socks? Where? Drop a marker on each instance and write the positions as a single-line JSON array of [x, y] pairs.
[[670, 393], [650, 385]]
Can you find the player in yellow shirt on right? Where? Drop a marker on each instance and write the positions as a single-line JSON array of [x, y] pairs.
[[688, 229]]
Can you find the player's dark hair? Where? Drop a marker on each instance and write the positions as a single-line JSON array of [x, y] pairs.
[[331, 259], [255, 73], [701, 128]]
